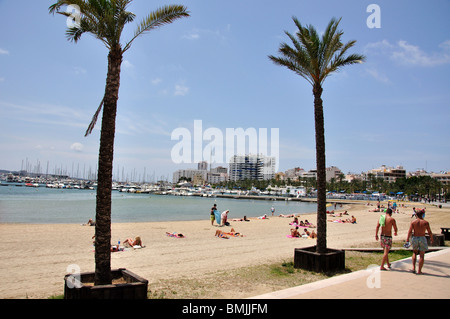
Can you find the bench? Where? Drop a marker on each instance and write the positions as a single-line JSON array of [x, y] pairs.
[[446, 232]]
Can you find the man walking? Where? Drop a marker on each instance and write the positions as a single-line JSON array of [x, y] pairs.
[[387, 223], [419, 242]]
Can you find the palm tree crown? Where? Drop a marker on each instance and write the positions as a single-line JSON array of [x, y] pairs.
[[314, 58], [106, 20]]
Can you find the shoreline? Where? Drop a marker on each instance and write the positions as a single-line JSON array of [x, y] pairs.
[[35, 257]]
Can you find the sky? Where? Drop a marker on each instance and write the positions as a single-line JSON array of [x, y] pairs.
[[213, 68]]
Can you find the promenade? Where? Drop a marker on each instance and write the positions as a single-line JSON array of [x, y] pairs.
[[397, 283]]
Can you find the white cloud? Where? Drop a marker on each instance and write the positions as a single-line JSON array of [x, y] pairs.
[[127, 64], [156, 81], [377, 75], [77, 147], [408, 54], [192, 36], [2, 51], [181, 90], [197, 33], [78, 70]]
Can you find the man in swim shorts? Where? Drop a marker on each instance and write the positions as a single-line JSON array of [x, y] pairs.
[[419, 242], [386, 236]]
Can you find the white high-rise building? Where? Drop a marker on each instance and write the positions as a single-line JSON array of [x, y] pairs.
[[253, 167]]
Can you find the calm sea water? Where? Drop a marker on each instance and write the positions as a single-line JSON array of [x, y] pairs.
[[64, 206]]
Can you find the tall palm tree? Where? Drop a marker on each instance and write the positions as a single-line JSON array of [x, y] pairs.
[[314, 59], [105, 20]]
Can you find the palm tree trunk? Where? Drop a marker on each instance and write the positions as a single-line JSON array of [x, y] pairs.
[[105, 170], [321, 170]]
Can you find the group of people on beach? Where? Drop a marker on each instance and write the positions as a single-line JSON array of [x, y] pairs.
[[295, 233], [416, 233]]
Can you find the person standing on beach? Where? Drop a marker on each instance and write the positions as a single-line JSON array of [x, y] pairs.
[[213, 216], [419, 242], [386, 236]]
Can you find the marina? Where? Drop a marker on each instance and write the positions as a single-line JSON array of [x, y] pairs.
[[46, 205]]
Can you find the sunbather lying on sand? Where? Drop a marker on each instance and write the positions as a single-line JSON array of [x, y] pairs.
[[175, 235], [232, 233], [286, 216], [240, 219]]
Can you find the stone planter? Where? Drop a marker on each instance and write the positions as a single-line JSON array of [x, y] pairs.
[[308, 259], [438, 240], [126, 285]]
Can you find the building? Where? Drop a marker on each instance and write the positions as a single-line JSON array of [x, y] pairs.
[[333, 172], [217, 175], [444, 178], [203, 166], [388, 174], [189, 174], [252, 167], [294, 173]]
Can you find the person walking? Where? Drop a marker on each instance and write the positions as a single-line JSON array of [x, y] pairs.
[[386, 222], [419, 243]]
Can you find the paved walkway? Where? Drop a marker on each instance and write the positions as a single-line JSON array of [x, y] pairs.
[[397, 283]]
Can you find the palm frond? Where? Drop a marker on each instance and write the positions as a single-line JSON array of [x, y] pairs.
[[94, 119], [158, 18]]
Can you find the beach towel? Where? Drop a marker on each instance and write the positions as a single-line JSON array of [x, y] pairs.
[[382, 220], [218, 217]]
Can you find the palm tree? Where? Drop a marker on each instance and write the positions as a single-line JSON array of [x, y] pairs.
[[314, 59], [105, 20]]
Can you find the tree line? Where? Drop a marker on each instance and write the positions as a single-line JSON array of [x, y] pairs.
[[416, 186]]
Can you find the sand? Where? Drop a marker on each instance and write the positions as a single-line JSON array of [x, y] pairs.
[[35, 258]]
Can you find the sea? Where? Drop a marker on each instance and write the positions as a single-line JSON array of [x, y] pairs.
[[41, 205]]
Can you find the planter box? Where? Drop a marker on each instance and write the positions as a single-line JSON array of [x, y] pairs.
[[308, 259], [126, 285], [438, 240]]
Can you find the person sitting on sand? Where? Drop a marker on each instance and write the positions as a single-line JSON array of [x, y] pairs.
[[129, 242], [294, 232], [312, 235], [353, 220], [89, 223], [263, 217]]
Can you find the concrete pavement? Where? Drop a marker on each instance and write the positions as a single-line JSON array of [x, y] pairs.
[[397, 283]]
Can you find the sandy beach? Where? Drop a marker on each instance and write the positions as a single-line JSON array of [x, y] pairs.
[[35, 258]]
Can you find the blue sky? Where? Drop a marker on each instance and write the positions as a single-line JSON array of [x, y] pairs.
[[213, 66]]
